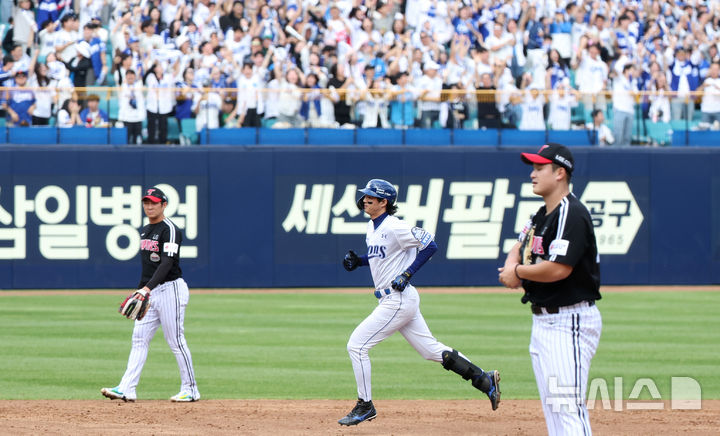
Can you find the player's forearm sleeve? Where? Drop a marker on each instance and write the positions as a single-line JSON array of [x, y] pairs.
[[422, 257], [364, 260], [160, 273]]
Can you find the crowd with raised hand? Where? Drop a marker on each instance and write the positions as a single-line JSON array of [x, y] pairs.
[[368, 63]]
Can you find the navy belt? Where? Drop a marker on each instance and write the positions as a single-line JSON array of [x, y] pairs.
[[381, 293]]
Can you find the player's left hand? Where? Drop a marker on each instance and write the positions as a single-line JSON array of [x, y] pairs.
[[135, 305], [401, 281]]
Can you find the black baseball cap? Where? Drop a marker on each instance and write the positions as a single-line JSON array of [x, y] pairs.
[[551, 153], [155, 195]]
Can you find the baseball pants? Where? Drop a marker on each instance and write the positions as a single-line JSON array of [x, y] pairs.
[[167, 309], [399, 311], [561, 348]]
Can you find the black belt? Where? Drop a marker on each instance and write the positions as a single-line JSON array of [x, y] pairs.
[[551, 310]]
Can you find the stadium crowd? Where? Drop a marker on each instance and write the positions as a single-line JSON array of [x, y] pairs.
[[531, 65]]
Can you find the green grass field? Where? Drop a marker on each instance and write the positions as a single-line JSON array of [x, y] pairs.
[[292, 346]]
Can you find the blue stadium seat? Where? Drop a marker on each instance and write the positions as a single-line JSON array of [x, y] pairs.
[[281, 136], [480, 137], [331, 136], [173, 134], [235, 136], [659, 133], [427, 137], [379, 137], [522, 137], [114, 108], [571, 137], [187, 129], [32, 135]]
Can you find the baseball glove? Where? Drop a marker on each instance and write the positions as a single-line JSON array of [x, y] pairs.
[[526, 257], [135, 305]]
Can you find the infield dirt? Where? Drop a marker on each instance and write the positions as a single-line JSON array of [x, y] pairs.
[[319, 417]]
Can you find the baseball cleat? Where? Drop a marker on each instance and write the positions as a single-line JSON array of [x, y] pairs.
[[115, 394], [363, 411], [183, 397], [494, 392]]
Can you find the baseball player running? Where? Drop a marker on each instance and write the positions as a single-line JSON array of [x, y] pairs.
[[556, 261], [395, 252], [160, 242]]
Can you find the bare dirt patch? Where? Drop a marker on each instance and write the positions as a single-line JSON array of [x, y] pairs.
[[313, 417]]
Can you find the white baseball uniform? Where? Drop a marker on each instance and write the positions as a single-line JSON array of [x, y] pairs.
[[167, 308], [160, 243], [392, 248]]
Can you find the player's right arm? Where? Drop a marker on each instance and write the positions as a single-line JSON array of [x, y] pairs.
[[352, 260], [507, 273]]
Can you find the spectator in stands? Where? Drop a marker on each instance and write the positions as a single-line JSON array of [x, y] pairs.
[[659, 109], [592, 75], [228, 117], [131, 110], [311, 108], [159, 103], [270, 97], [208, 110], [97, 48], [59, 79], [457, 108], [562, 100], [69, 114], [44, 98], [290, 99], [430, 88], [402, 106], [487, 108], [531, 104], [67, 38], [249, 97], [625, 39], [557, 70], [46, 38], [684, 78], [508, 101], [231, 19], [122, 63], [20, 104], [481, 59], [186, 96], [710, 106], [376, 105], [24, 26], [500, 44], [338, 85], [89, 9], [93, 115], [624, 92], [601, 131], [21, 61]]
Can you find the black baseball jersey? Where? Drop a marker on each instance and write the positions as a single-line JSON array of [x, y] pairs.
[[565, 236], [160, 244]]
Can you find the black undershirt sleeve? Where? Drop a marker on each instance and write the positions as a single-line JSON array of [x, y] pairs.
[[161, 272]]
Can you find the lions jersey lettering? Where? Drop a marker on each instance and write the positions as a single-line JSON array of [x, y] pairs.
[[376, 251], [392, 248]]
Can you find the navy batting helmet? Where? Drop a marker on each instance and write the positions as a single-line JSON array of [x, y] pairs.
[[378, 188]]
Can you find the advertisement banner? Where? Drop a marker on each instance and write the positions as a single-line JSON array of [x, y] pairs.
[[284, 217]]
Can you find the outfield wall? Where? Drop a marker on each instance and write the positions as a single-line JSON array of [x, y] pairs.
[[279, 217]]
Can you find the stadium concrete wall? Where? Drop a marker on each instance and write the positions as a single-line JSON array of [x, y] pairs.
[[285, 216]]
